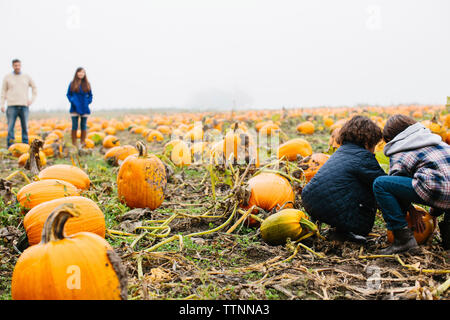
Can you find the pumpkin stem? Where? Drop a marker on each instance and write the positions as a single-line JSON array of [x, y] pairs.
[[34, 161], [142, 148], [54, 225]]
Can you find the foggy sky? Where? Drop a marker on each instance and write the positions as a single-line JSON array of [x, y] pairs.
[[243, 53]]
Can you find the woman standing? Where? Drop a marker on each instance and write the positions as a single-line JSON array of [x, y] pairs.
[[80, 97]]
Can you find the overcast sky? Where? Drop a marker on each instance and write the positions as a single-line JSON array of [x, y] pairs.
[[220, 53]]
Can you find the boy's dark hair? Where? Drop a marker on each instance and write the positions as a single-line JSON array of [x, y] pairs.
[[396, 124], [15, 60], [360, 130]]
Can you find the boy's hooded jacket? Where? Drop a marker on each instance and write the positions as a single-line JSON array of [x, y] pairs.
[[421, 155], [340, 194]]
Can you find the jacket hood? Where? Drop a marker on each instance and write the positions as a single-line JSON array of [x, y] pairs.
[[414, 137]]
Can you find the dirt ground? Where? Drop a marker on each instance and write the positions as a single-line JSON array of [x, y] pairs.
[[221, 265]]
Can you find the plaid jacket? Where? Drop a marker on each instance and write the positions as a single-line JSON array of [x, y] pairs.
[[429, 167]]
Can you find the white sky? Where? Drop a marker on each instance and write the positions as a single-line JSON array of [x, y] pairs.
[[209, 53]]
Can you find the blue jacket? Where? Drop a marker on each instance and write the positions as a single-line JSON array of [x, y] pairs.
[[340, 194], [79, 101]]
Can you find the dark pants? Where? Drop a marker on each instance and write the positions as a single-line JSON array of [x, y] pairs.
[[11, 114], [394, 194], [83, 122]]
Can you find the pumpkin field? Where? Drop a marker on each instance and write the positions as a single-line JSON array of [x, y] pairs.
[[196, 205]]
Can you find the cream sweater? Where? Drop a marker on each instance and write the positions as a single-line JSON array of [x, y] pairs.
[[15, 90]]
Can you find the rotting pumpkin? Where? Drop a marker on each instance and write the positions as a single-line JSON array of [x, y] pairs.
[[83, 266], [141, 180]]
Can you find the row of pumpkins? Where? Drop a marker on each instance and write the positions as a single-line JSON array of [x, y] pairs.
[[68, 257]]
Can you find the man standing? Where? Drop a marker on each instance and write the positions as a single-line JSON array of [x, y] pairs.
[[15, 90]]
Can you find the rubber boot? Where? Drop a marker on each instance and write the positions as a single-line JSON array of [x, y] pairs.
[[83, 138], [74, 138], [444, 228], [403, 241]]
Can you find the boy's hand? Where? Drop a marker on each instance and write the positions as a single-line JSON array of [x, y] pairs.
[[3, 109], [416, 219]]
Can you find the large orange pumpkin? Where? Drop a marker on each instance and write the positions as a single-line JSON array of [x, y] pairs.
[[38, 192], [83, 266], [269, 191], [69, 173], [92, 219], [421, 237], [294, 147], [141, 180], [306, 127]]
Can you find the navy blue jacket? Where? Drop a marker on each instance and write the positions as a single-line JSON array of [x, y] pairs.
[[340, 194], [79, 101]]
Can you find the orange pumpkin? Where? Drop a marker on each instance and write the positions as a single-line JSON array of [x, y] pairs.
[[83, 266], [155, 135], [421, 237], [24, 158], [111, 141], [141, 180], [180, 154], [71, 174], [17, 149], [314, 163], [38, 192], [269, 191], [306, 127], [294, 147], [116, 155], [92, 219]]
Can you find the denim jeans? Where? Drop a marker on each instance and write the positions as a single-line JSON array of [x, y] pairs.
[[11, 114], [394, 194], [83, 123]]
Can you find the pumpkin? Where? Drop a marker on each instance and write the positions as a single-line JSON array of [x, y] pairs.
[[334, 135], [306, 127], [89, 144], [116, 155], [180, 154], [92, 219], [110, 130], [421, 237], [294, 147], [141, 180], [268, 129], [83, 266], [154, 135], [328, 122], [313, 164], [38, 192], [69, 173], [268, 191], [284, 224], [24, 158], [97, 137], [111, 141], [17, 149]]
